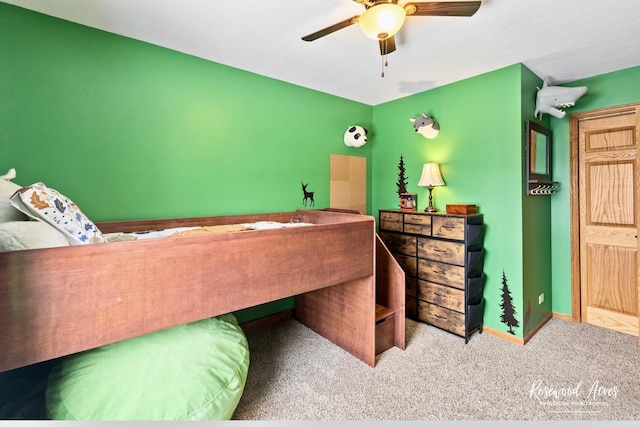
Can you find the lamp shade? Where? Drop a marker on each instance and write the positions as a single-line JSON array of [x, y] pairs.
[[382, 20], [430, 175]]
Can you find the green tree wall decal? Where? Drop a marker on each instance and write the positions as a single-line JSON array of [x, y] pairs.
[[508, 316], [402, 179]]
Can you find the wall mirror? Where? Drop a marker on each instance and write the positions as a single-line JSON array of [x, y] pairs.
[[539, 179]]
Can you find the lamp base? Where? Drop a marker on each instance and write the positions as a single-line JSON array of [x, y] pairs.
[[430, 208]]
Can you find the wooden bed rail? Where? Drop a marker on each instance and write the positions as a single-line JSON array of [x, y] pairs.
[[58, 301]]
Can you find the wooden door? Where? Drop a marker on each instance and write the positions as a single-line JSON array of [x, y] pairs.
[[608, 180]]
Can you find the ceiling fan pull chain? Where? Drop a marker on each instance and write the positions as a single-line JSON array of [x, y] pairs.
[[385, 63]]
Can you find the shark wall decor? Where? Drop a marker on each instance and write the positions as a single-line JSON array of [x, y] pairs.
[[550, 99]]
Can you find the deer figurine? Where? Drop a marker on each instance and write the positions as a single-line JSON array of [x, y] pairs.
[[308, 195]]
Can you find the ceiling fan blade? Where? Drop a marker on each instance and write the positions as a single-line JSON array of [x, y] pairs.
[[438, 8], [331, 29], [387, 45]]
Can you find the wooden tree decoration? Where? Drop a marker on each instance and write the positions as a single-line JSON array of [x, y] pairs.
[[508, 316], [402, 180]]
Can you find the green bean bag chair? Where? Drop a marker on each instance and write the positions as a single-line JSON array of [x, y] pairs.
[[190, 372]]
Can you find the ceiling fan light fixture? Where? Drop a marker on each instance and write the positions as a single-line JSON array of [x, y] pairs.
[[382, 21]]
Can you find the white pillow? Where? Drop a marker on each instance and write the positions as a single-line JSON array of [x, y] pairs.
[[19, 235], [46, 204], [7, 188]]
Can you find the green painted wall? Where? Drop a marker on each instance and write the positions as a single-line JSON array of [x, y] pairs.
[[130, 130], [536, 225], [606, 90], [479, 150]]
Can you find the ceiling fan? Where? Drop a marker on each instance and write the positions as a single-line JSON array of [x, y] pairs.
[[382, 19]]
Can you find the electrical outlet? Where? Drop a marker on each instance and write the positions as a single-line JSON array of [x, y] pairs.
[[540, 298]]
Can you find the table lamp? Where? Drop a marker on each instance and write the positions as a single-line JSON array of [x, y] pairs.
[[430, 178]]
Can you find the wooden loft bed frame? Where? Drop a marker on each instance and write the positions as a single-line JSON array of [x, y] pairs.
[[59, 301]]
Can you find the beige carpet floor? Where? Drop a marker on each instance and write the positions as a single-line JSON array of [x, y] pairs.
[[567, 371]]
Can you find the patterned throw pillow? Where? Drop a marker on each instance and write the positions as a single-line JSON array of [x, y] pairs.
[[47, 205]]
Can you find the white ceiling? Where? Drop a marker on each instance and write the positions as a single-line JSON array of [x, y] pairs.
[[559, 40]]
